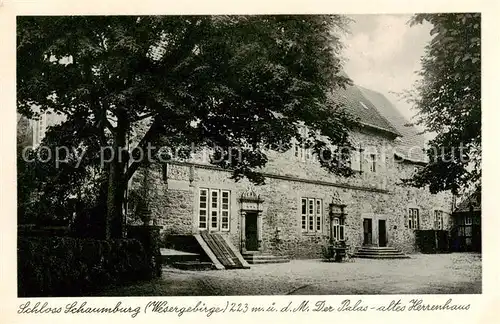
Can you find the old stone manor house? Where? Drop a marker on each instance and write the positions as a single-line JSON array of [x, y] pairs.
[[302, 205]]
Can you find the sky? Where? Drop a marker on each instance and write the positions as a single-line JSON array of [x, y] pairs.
[[383, 52]]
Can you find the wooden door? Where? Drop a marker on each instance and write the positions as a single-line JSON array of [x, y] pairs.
[[367, 231], [382, 233], [251, 238]]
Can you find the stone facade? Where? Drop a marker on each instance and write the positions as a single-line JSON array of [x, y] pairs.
[[375, 195]]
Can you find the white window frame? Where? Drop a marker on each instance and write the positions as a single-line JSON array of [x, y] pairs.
[[373, 163], [319, 214], [39, 128], [311, 208], [303, 214], [214, 211], [413, 218], [203, 225], [338, 229], [438, 219], [356, 160], [224, 218], [304, 154], [311, 215], [218, 216]]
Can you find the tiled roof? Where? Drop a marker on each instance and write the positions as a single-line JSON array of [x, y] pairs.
[[473, 200], [362, 109], [410, 145]]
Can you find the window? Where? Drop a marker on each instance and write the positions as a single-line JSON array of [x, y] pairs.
[[438, 219], [39, 128], [413, 218], [318, 215], [214, 209], [373, 163], [356, 160], [311, 215], [338, 229], [225, 211], [304, 213], [203, 209], [164, 172], [468, 220], [299, 149]]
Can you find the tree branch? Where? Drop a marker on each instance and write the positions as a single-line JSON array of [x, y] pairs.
[[142, 117], [147, 138], [108, 125]]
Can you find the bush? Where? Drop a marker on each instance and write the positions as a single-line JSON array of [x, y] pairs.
[[64, 266], [433, 241]]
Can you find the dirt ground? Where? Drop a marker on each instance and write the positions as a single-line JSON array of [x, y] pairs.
[[456, 273]]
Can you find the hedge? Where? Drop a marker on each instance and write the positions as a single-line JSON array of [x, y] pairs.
[[433, 241], [65, 266]]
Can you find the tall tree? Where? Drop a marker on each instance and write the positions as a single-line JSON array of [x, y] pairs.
[[227, 81], [448, 100]]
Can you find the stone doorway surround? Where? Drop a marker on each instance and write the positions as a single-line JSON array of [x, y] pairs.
[[251, 203], [375, 230]]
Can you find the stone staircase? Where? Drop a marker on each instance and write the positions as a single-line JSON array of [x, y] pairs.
[[227, 255], [203, 251], [263, 258], [376, 252]]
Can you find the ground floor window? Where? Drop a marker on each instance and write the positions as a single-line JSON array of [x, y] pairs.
[[338, 229], [311, 215], [214, 209], [413, 218], [438, 219]]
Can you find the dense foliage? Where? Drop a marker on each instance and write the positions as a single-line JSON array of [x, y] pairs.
[[227, 81], [448, 100], [64, 266]]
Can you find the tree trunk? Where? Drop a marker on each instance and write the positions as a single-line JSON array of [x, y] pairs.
[[117, 182]]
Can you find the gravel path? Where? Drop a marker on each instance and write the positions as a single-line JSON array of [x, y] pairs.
[[454, 273]]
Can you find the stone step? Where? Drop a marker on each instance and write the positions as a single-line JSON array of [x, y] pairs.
[[376, 252], [376, 248], [194, 265], [260, 258], [398, 256], [266, 261]]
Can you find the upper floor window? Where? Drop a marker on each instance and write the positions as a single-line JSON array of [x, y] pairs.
[[39, 128], [413, 218], [214, 209], [372, 159], [311, 215], [438, 219], [356, 160], [299, 149], [468, 220]]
